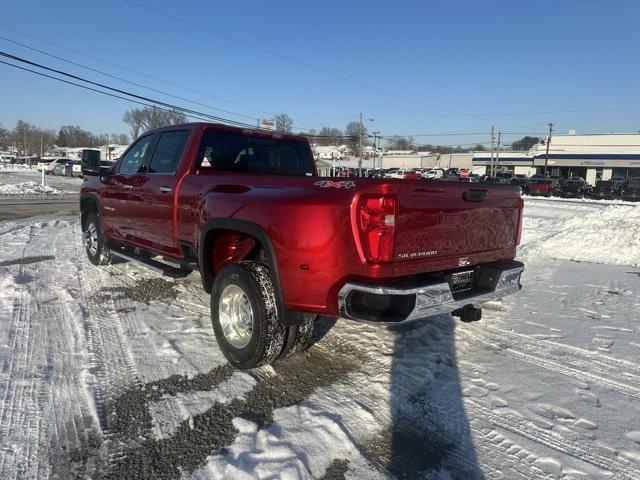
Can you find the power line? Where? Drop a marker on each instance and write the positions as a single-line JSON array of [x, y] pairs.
[[293, 60], [462, 134], [124, 92], [106, 62], [497, 114], [91, 89], [141, 100], [124, 79]]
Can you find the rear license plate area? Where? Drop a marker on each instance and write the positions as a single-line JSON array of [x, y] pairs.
[[460, 281]]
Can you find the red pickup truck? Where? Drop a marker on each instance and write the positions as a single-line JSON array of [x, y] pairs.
[[276, 245]]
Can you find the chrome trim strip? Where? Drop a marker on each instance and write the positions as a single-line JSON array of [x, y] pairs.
[[433, 299]]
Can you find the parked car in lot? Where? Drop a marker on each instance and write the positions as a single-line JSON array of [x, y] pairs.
[[411, 174], [435, 173], [631, 190], [574, 188], [521, 181], [605, 190], [506, 177], [76, 168], [545, 188], [63, 168], [49, 163], [276, 245]]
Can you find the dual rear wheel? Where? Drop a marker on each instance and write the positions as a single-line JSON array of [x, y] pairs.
[[245, 318]]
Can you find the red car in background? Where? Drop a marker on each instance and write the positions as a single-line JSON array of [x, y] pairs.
[[544, 188], [412, 175]]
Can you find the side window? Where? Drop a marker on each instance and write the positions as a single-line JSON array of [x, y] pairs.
[[168, 151], [134, 160]]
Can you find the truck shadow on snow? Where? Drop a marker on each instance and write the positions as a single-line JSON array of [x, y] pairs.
[[430, 435]]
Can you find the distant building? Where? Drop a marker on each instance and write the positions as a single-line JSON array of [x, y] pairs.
[[516, 162], [592, 157]]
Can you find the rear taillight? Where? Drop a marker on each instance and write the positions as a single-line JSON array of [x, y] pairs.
[[519, 227], [376, 224]]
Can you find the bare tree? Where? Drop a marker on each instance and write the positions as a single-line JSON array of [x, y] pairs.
[[284, 123], [4, 137], [353, 130], [120, 138], [401, 143], [31, 140], [142, 119], [74, 136], [330, 136]]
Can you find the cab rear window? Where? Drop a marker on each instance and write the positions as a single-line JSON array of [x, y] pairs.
[[230, 152]]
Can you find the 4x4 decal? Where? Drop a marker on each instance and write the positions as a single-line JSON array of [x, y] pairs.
[[332, 184]]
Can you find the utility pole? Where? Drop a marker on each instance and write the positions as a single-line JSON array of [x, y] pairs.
[[360, 148], [492, 140], [546, 156], [375, 147], [497, 154]]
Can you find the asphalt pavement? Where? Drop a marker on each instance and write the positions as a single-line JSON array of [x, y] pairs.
[[21, 206]]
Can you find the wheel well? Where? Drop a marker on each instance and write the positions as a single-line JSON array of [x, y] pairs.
[[224, 246], [87, 205]]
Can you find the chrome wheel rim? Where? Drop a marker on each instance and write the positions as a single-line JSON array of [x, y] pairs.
[[236, 316], [90, 238]]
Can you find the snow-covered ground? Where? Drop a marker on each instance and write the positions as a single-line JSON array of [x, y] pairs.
[[114, 372], [27, 188], [14, 167]]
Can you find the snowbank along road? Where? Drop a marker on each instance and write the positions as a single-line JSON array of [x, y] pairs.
[[114, 372]]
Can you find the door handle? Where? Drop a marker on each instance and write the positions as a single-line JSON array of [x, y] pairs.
[[165, 189]]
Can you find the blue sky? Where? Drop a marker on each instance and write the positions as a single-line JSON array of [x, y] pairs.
[[447, 66]]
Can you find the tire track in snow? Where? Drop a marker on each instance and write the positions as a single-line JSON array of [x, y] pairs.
[[607, 361], [46, 346], [515, 346], [623, 470]]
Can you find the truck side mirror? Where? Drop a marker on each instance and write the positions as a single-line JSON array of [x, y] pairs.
[[91, 162]]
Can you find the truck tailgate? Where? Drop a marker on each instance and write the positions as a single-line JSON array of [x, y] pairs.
[[436, 220]]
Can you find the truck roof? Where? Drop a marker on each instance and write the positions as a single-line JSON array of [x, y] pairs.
[[231, 129]]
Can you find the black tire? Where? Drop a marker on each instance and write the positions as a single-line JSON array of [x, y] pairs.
[[267, 335], [299, 336], [100, 255]]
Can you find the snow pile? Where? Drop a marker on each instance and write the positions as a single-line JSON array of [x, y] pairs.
[[610, 235], [299, 445], [530, 198], [10, 168], [27, 188]]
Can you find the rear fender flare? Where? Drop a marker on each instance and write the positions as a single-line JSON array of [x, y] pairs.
[[204, 261]]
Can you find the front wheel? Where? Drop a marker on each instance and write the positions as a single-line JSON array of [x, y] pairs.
[[245, 317], [95, 241]]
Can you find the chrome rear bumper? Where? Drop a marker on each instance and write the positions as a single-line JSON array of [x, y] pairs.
[[432, 298]]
